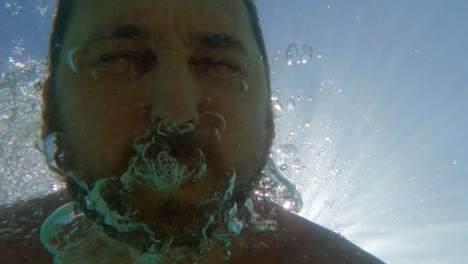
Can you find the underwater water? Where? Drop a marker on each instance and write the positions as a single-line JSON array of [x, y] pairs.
[[370, 102]]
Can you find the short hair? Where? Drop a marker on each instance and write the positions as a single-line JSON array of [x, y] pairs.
[[62, 18]]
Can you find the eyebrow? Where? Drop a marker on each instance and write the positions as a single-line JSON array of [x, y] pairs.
[[123, 32], [208, 41], [218, 41]]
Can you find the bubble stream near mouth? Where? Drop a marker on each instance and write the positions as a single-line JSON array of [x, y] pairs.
[[166, 174]]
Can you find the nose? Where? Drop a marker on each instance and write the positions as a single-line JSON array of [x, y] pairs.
[[174, 93]]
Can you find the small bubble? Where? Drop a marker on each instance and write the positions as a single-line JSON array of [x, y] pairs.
[[36, 106], [291, 104], [307, 54], [278, 106], [290, 150], [278, 116], [320, 155], [308, 145], [297, 165], [283, 167], [227, 255], [56, 187], [329, 204], [454, 162], [309, 99], [38, 86], [291, 54], [274, 96]]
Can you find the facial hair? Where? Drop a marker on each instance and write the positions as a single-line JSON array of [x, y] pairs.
[[172, 186]]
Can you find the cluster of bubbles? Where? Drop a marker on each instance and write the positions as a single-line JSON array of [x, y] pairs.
[[296, 55], [304, 147], [42, 6], [24, 172], [13, 8]]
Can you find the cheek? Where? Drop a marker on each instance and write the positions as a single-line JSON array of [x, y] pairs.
[[100, 128], [244, 141]]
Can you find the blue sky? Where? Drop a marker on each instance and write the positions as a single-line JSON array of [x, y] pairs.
[[383, 158], [388, 90]]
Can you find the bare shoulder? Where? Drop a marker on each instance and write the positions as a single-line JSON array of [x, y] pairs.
[[19, 229], [306, 242]]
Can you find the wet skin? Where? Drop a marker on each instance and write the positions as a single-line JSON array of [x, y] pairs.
[[187, 58], [183, 73], [103, 116]]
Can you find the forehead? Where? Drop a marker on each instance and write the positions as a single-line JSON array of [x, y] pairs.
[[162, 16]]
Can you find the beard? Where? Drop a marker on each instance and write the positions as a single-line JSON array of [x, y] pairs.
[[173, 186]]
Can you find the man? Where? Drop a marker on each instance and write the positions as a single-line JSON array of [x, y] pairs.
[[158, 116]]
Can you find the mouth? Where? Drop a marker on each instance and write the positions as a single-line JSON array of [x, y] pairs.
[[164, 164]]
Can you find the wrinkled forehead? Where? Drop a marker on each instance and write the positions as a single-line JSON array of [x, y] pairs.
[[164, 16]]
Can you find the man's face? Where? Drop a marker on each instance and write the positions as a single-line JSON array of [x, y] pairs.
[[127, 66]]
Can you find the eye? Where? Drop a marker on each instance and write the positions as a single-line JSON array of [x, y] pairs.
[[216, 67], [123, 64], [115, 58]]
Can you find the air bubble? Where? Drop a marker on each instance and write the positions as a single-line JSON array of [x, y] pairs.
[[274, 96], [70, 61], [307, 54], [307, 124], [278, 106], [227, 255], [319, 155], [38, 86], [291, 135], [14, 8], [292, 54], [283, 167], [291, 104], [245, 86], [296, 166], [52, 151], [289, 150]]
